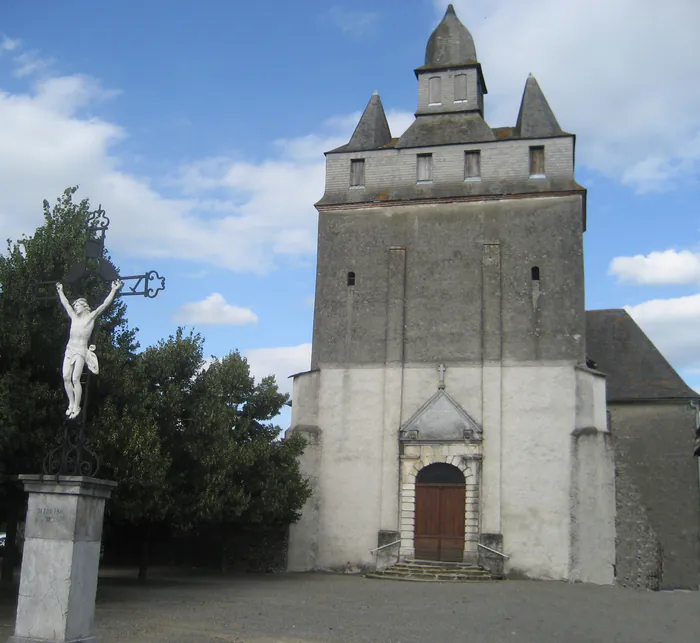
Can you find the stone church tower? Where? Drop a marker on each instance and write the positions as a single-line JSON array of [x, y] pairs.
[[449, 408]]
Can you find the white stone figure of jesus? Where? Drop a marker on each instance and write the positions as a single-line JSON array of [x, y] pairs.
[[78, 352]]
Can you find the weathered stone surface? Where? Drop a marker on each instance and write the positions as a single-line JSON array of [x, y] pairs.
[[658, 500], [61, 559]]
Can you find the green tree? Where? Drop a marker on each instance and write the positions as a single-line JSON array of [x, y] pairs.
[[146, 439], [248, 477]]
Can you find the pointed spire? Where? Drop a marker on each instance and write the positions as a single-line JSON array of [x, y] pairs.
[[373, 129], [450, 44], [536, 118]]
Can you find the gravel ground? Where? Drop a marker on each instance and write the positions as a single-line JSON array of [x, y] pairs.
[[319, 608]]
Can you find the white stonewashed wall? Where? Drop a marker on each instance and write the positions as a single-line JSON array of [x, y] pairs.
[[556, 524], [507, 160]]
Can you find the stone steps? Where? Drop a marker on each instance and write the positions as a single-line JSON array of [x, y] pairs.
[[431, 571]]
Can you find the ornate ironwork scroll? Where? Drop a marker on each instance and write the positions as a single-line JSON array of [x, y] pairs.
[[144, 282]]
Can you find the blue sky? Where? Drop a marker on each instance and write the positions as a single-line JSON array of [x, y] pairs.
[[200, 127]]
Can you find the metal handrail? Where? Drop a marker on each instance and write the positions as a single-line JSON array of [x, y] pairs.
[[492, 550], [396, 542]]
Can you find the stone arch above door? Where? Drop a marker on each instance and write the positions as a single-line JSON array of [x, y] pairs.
[[467, 458]]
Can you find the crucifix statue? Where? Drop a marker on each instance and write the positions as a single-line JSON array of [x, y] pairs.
[[78, 353], [72, 456]]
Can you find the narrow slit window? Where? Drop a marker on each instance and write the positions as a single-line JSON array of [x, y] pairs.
[[424, 168], [537, 160], [357, 173], [435, 90], [535, 273], [460, 88], [472, 164], [351, 279]]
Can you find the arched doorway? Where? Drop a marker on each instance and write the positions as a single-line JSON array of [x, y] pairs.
[[439, 526]]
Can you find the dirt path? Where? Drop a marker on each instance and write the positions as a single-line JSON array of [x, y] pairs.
[[320, 608]]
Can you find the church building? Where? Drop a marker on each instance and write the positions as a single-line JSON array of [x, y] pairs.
[[450, 412]]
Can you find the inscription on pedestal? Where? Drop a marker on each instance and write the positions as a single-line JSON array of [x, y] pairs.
[[50, 514]]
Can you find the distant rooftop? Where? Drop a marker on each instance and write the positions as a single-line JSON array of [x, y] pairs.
[[635, 368]]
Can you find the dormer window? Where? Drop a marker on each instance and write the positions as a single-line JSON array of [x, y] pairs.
[[435, 91], [357, 173], [424, 168], [537, 161], [461, 88]]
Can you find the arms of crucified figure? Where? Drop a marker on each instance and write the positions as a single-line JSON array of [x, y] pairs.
[[64, 300], [116, 286]]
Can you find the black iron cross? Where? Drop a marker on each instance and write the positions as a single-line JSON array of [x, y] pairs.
[[73, 457], [148, 284]]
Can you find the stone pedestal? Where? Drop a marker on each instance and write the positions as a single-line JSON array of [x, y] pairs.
[[61, 559]]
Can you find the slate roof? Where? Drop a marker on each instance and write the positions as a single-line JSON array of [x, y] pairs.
[[635, 368], [372, 131], [535, 118], [446, 129], [493, 188], [450, 44]]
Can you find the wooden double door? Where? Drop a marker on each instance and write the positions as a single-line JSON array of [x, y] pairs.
[[439, 520]]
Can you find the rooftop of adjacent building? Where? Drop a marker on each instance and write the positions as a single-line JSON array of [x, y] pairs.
[[635, 368]]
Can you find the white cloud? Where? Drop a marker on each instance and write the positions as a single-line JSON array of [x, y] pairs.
[[658, 268], [275, 196], [223, 212], [399, 121], [199, 274], [214, 311], [615, 72], [280, 362], [355, 23], [30, 62], [673, 325], [8, 44]]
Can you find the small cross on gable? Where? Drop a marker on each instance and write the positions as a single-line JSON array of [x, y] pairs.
[[441, 372]]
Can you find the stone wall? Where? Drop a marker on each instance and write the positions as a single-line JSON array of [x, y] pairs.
[[447, 99], [501, 160], [658, 493], [638, 560], [445, 248], [245, 549]]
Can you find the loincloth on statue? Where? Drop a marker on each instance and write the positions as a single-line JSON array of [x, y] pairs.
[[88, 355]]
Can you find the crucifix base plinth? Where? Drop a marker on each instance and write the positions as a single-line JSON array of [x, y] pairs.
[[61, 559]]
